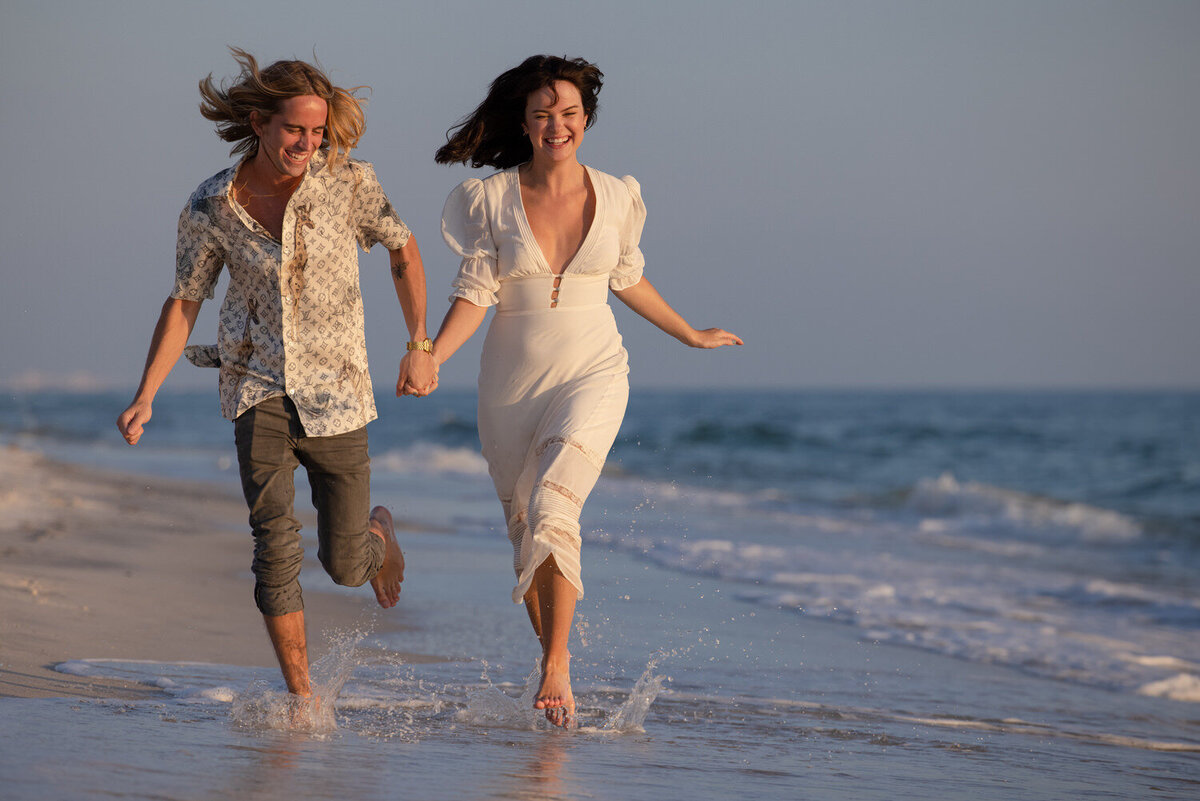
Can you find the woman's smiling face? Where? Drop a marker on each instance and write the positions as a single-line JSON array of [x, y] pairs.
[[554, 121]]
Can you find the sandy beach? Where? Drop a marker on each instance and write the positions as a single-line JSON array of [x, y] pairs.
[[95, 564]]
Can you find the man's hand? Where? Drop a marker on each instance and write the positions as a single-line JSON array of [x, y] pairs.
[[132, 419], [418, 374], [175, 324]]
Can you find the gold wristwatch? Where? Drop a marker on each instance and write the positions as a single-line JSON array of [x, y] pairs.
[[425, 344]]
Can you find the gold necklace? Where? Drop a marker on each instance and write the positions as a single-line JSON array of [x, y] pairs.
[[246, 196]]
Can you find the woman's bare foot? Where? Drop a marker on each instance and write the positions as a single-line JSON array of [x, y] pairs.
[[391, 573], [554, 695]]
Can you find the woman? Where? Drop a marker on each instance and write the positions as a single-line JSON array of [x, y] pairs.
[[544, 240]]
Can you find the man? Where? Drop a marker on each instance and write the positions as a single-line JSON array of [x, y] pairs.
[[292, 350]]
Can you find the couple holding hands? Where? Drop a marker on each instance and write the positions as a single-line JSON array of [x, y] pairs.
[[544, 239]]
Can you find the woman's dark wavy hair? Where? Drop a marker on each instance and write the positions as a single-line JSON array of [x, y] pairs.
[[491, 136]]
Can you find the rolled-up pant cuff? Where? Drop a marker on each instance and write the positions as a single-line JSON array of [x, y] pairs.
[[278, 601]]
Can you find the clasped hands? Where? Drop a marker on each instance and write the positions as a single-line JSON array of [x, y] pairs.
[[418, 374]]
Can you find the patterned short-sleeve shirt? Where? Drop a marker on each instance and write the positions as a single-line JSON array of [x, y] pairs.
[[292, 320]]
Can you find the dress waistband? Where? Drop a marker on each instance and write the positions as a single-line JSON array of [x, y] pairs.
[[537, 292]]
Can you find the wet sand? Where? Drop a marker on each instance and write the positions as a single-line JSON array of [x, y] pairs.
[[96, 564]]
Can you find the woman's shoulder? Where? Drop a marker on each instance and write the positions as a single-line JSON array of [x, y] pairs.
[[475, 191], [622, 196], [624, 188], [609, 180]]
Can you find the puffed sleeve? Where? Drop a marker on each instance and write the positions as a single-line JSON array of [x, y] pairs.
[[629, 267], [199, 254], [375, 221], [468, 233]]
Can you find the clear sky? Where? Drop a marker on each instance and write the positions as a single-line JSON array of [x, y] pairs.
[[872, 194]]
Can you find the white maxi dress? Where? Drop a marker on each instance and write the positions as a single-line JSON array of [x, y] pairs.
[[553, 378]]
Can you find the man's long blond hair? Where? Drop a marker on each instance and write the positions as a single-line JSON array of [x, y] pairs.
[[265, 90]]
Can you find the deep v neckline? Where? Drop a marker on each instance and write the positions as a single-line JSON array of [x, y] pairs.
[[527, 227]]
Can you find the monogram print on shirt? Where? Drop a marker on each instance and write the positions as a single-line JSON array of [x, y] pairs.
[[301, 319], [246, 349], [295, 270]]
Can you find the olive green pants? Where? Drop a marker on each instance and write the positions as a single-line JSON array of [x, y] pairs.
[[271, 444]]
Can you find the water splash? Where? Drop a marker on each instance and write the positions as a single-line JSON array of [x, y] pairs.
[[489, 705], [630, 715], [262, 706], [330, 672]]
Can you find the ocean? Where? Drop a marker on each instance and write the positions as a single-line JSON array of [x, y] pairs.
[[789, 594]]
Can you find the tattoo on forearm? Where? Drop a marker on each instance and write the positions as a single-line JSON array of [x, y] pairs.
[[399, 268]]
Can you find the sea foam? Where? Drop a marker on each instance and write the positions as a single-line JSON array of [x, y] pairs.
[[945, 496], [1181, 687], [425, 457]]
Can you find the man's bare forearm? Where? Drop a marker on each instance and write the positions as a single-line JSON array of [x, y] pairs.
[[408, 276], [170, 336]]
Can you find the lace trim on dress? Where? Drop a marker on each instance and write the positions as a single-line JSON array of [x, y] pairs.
[[560, 537], [593, 458], [563, 491]]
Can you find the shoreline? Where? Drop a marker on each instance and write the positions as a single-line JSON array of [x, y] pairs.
[[800, 701], [96, 564]]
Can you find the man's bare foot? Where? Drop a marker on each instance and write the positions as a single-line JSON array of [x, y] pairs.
[[302, 709], [554, 695], [387, 581]]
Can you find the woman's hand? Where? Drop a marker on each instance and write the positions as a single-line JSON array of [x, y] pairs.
[[644, 299], [712, 338], [418, 374]]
